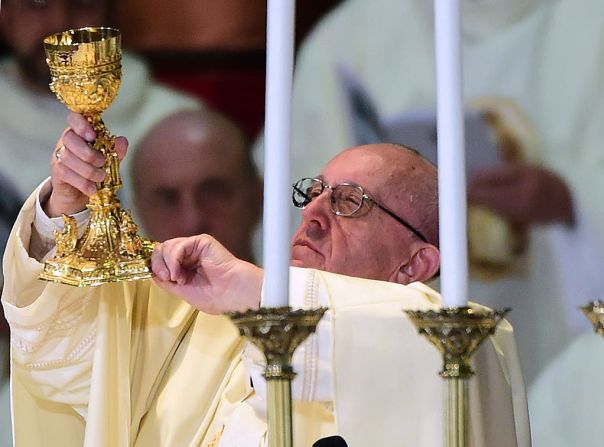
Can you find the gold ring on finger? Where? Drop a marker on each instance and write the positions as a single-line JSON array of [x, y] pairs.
[[58, 153]]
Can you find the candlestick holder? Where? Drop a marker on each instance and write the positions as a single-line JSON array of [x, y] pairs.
[[456, 332], [278, 332], [594, 311], [85, 68]]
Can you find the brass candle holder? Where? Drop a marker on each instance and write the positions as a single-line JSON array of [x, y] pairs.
[[278, 332], [456, 332], [85, 68], [594, 311]]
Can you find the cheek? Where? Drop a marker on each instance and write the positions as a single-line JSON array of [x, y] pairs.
[[365, 252], [349, 245]]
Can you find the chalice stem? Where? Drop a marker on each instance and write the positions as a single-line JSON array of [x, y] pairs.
[[279, 413], [105, 143], [456, 423]]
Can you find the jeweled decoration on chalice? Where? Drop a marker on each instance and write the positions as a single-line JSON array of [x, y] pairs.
[[85, 68]]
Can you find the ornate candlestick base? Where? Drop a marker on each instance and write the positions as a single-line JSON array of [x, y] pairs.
[[456, 332], [594, 311], [278, 332]]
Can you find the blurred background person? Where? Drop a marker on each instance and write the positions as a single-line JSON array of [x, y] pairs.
[[530, 77], [566, 404], [193, 174], [24, 79]]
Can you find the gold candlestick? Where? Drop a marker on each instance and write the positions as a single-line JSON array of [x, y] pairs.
[[85, 68], [456, 332], [594, 311], [278, 332]]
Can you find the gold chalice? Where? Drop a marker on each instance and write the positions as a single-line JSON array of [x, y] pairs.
[[85, 68]]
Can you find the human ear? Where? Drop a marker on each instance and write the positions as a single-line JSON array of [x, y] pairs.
[[421, 266]]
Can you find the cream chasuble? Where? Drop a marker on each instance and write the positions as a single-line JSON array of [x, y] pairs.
[[129, 365], [369, 368], [90, 366]]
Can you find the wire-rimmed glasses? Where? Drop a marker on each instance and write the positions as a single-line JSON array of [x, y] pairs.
[[346, 199]]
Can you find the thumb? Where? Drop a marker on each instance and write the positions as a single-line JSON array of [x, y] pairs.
[[121, 147]]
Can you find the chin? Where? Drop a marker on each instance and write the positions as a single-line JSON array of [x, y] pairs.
[[307, 264], [303, 256]]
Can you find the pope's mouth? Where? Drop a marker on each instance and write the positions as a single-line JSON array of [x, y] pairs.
[[302, 250]]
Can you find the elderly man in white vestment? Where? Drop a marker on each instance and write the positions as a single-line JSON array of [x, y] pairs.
[[534, 65], [131, 364]]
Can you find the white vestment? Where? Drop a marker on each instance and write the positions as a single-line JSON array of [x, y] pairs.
[[127, 364], [547, 56], [566, 405]]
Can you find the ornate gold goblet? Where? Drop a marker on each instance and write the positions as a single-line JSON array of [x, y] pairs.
[[85, 68]]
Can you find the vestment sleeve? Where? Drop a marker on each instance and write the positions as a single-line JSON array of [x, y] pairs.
[[52, 325]]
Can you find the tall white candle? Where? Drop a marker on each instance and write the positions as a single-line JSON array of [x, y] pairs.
[[277, 187], [451, 154]]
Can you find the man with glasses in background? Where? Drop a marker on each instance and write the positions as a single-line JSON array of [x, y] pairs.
[[181, 375]]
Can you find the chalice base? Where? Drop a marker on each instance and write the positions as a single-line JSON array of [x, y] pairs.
[[110, 250], [74, 270]]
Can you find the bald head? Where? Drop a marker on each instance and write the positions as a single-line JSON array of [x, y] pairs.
[[391, 234], [193, 173], [195, 131], [407, 184]]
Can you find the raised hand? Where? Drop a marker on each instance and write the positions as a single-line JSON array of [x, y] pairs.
[[75, 167], [523, 193], [207, 275]]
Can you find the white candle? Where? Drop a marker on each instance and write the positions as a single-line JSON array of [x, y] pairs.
[[277, 187], [451, 155]]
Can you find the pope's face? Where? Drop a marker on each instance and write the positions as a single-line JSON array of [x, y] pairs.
[[25, 24], [371, 244]]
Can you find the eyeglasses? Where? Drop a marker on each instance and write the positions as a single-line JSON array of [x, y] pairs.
[[346, 199]]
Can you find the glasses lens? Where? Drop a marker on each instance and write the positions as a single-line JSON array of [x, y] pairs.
[[346, 199], [305, 190]]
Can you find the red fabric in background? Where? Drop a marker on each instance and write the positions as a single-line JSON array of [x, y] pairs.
[[239, 94]]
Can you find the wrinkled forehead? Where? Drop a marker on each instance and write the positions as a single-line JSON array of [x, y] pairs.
[[361, 167]]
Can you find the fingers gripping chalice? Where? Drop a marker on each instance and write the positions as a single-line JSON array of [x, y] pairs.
[[85, 68]]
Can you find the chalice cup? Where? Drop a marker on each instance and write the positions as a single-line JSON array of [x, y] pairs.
[[85, 68]]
